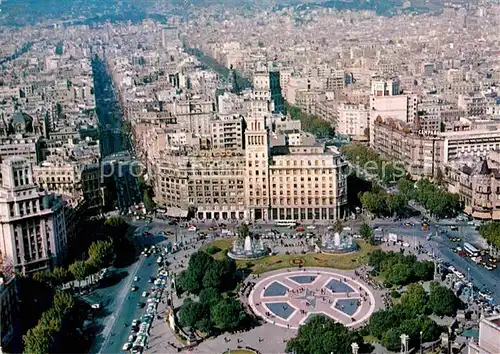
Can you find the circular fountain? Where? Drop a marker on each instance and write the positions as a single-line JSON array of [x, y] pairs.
[[334, 242], [247, 249]]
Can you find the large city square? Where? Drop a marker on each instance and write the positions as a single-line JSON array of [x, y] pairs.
[[288, 298]]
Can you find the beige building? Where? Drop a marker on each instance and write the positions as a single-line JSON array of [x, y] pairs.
[[477, 181], [489, 337], [33, 228], [352, 118], [291, 182], [423, 154], [79, 181], [387, 101], [210, 183]]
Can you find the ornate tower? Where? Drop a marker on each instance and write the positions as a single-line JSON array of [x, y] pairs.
[[257, 168]]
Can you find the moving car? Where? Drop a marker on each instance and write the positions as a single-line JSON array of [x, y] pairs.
[[136, 278], [144, 294], [96, 306], [134, 288]]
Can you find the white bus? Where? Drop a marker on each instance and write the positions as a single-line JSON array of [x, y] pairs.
[[286, 223], [471, 250]]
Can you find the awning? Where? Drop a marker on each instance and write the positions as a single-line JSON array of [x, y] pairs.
[[176, 213]]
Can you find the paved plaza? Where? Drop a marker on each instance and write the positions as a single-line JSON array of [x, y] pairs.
[[289, 298]]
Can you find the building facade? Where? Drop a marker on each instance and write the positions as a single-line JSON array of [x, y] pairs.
[[32, 223], [489, 337]]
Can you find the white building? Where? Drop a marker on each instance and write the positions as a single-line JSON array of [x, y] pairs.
[[33, 228], [352, 118]]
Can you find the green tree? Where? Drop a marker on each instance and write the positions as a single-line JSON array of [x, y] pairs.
[[79, 270], [381, 321], [442, 301], [406, 188], [199, 264], [243, 230], [228, 314], [391, 339], [101, 254], [63, 302], [366, 232], [149, 204], [210, 296], [323, 335], [38, 340], [214, 276], [191, 312], [399, 274], [60, 276], [52, 320], [43, 277], [414, 299]]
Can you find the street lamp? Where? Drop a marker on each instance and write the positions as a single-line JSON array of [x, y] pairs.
[[421, 348]]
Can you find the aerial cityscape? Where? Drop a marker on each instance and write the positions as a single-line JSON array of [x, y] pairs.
[[206, 176]]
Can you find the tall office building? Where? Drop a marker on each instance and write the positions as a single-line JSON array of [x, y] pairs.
[[387, 101], [32, 222]]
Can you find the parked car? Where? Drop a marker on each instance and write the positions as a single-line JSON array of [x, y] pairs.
[[127, 346]]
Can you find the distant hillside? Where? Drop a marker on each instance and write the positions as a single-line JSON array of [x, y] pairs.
[[24, 12], [381, 7]]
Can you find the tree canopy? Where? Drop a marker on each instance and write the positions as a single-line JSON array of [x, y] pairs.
[[311, 123], [366, 232], [443, 301], [408, 317], [373, 164], [209, 278], [491, 232], [398, 269], [322, 335]]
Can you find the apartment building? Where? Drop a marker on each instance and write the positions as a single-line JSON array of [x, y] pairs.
[[227, 132], [79, 181], [352, 119], [33, 227], [387, 101], [291, 182], [422, 154], [209, 183]]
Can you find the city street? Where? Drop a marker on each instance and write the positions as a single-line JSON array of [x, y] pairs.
[[120, 304], [442, 248]]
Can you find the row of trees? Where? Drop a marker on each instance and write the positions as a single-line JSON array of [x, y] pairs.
[[56, 330], [370, 162], [437, 201], [101, 254], [399, 269], [491, 232], [209, 279], [410, 316], [311, 123], [380, 203]]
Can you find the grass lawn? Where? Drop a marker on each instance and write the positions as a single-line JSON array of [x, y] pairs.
[[340, 261], [223, 245], [370, 339]]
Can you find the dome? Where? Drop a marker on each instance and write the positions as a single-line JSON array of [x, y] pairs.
[[21, 122]]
